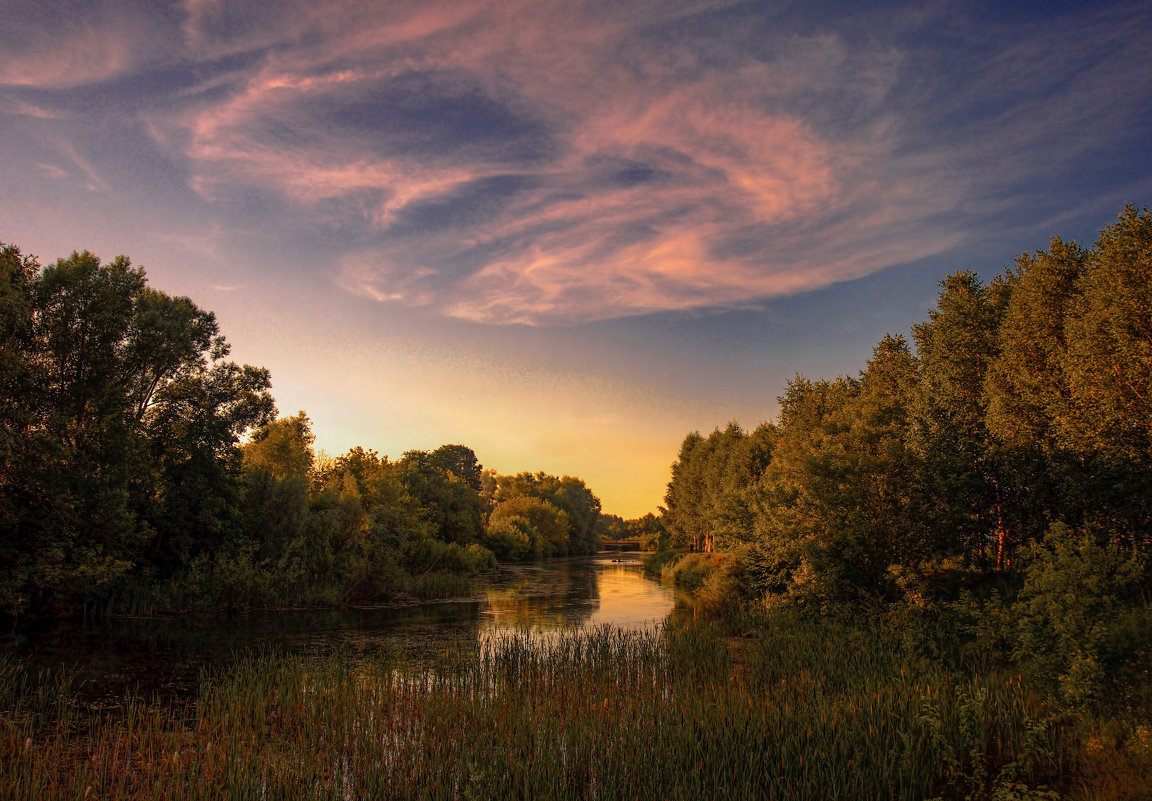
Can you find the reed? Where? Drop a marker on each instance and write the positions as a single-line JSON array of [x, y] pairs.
[[790, 709]]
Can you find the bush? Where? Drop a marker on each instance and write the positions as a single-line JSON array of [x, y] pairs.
[[1082, 619], [508, 541], [716, 579], [427, 555], [654, 563]]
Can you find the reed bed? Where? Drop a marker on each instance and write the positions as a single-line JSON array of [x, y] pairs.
[[685, 712]]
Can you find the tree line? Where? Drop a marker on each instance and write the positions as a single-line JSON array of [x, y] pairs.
[[1019, 416], [142, 468]]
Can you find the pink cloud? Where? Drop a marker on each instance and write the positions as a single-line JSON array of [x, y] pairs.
[[734, 156], [76, 51]]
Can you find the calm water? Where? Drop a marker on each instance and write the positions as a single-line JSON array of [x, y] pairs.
[[166, 656]]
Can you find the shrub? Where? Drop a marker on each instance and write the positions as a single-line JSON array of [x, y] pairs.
[[1082, 620], [508, 541], [654, 563], [427, 555], [716, 579]]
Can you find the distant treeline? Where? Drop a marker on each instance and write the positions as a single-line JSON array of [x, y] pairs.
[[141, 469], [1022, 408]]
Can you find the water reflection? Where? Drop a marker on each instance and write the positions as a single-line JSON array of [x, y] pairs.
[[577, 593], [166, 656]]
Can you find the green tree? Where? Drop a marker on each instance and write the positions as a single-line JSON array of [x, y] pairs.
[[1108, 368], [194, 429], [1026, 388], [1028, 393], [277, 466], [1109, 331], [788, 503], [282, 448], [867, 485], [566, 493], [648, 531], [121, 441], [955, 348], [544, 525], [686, 498], [460, 462], [449, 501]]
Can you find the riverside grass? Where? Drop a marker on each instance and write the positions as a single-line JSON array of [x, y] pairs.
[[792, 709]]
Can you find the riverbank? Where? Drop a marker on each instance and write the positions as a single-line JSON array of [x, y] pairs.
[[771, 706], [108, 657]]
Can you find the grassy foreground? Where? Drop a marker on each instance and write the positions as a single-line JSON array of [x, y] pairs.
[[790, 709]]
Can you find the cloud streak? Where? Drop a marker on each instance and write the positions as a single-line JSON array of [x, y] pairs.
[[520, 163]]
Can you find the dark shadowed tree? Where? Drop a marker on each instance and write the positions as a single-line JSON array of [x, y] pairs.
[[955, 348], [121, 453]]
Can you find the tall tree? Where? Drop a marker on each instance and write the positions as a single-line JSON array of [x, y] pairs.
[[1026, 388], [955, 348], [124, 426], [1108, 368], [684, 501], [1109, 361], [1028, 392]]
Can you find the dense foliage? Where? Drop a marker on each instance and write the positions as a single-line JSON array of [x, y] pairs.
[[139, 468], [1005, 456], [1023, 403], [118, 457]]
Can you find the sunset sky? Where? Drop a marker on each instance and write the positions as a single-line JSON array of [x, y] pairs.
[[563, 233]]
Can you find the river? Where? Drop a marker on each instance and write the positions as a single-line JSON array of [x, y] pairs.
[[165, 657]]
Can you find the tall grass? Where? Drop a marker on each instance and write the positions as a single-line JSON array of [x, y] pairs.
[[792, 709]]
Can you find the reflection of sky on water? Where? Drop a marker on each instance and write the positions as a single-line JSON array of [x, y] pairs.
[[577, 593], [628, 600], [165, 656]]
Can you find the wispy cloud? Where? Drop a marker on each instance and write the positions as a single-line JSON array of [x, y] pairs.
[[46, 46], [518, 166], [519, 162]]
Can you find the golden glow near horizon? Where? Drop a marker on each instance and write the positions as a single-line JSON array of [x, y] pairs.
[[618, 437]]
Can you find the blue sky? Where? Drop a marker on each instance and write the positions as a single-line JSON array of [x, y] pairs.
[[564, 233]]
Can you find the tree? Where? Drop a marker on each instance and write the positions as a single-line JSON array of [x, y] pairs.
[[17, 371], [544, 525], [787, 503], [684, 513], [647, 530], [1028, 393], [1108, 367], [955, 348], [1026, 388], [194, 430], [282, 448], [459, 462], [121, 439], [566, 493], [277, 465], [867, 485], [1109, 331], [449, 501]]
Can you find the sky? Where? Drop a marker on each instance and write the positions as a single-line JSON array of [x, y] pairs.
[[564, 233]]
